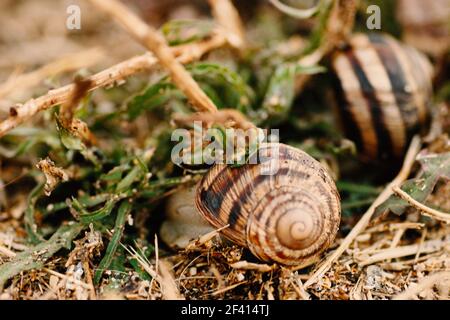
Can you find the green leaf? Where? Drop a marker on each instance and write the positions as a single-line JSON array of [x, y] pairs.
[[36, 257], [224, 86], [317, 35], [67, 139], [86, 201], [437, 163], [23, 140], [280, 93], [88, 217], [136, 174], [435, 167], [229, 86], [159, 187], [115, 174], [124, 210], [152, 97], [179, 32], [34, 236]]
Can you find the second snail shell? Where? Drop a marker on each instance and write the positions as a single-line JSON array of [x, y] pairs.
[[384, 92], [289, 217]]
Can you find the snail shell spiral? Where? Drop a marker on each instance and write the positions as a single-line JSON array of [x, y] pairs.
[[288, 217], [383, 90]]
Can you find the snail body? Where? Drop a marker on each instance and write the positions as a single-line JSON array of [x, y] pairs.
[[183, 221], [383, 92], [289, 217]]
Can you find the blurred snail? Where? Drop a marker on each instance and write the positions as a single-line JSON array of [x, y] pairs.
[[289, 216], [384, 91]]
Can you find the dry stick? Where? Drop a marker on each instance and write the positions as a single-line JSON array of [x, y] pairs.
[[67, 109], [171, 291], [427, 211], [228, 17], [105, 78], [403, 251], [245, 265], [231, 117], [426, 283], [66, 113], [69, 63], [90, 282], [67, 278], [5, 251], [300, 289], [156, 43], [413, 149]]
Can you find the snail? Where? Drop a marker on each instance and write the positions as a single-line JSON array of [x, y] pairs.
[[383, 91], [289, 216], [183, 221]]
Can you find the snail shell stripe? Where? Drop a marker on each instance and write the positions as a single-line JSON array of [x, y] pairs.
[[384, 90], [289, 217]]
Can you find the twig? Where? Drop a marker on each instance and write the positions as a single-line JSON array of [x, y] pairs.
[[67, 278], [156, 43], [67, 109], [71, 62], [228, 17], [421, 243], [403, 251], [111, 76], [300, 289], [425, 210], [90, 282], [6, 252], [245, 265], [171, 291], [204, 239], [414, 148], [426, 283], [228, 117]]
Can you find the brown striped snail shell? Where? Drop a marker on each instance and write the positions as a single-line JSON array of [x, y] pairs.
[[384, 91], [289, 217]]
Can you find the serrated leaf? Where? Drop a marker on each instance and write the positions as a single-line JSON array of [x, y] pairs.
[[88, 217], [280, 93], [438, 163], [224, 86], [435, 167], [229, 86], [152, 97]]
